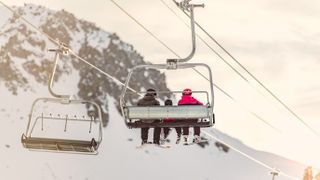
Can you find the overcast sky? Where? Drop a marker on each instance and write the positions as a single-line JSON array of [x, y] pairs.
[[276, 40]]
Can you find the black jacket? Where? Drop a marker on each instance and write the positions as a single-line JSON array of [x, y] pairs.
[[148, 100]]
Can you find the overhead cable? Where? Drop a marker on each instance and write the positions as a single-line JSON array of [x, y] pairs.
[[250, 157], [70, 50], [116, 80], [255, 78], [171, 50]]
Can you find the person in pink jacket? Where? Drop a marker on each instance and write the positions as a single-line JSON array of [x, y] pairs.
[[187, 99]]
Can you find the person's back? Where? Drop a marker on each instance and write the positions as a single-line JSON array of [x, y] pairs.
[[187, 99], [149, 100]]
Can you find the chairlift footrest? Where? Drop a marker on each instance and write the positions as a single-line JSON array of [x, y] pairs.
[[66, 145], [180, 123]]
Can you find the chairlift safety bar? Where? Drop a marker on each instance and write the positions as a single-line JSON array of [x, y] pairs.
[[29, 130]]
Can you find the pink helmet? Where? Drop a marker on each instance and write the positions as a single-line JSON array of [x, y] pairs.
[[187, 91]]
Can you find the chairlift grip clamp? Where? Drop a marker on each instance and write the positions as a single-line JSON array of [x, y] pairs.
[[65, 99], [172, 63], [63, 48], [184, 5]]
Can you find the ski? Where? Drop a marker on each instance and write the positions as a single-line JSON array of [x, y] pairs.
[[143, 145], [157, 145], [163, 146], [192, 143]]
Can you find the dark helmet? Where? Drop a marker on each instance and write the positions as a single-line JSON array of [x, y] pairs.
[[151, 92], [187, 91], [168, 102]]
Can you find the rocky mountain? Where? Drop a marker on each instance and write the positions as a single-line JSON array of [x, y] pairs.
[[24, 47]]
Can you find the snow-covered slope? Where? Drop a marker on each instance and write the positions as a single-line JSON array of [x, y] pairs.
[[118, 157], [24, 71]]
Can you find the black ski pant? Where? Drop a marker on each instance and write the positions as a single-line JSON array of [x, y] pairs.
[[156, 134], [195, 129], [166, 131]]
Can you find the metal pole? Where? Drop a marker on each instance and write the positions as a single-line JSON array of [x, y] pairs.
[[274, 174], [62, 50], [193, 39], [185, 6]]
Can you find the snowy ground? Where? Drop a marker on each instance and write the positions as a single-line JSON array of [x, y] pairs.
[[118, 157]]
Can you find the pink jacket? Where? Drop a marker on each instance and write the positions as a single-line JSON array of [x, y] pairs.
[[188, 100]]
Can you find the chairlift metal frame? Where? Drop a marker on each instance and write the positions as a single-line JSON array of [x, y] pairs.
[[184, 116], [62, 145], [138, 116]]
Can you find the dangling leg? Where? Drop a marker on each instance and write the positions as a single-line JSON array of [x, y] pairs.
[[156, 135], [178, 130], [144, 135], [196, 131], [185, 134], [196, 138], [166, 132]]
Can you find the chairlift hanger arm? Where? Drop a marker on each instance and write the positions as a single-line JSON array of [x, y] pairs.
[[63, 49], [186, 6]]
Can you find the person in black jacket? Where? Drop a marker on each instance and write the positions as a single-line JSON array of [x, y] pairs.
[[150, 100]]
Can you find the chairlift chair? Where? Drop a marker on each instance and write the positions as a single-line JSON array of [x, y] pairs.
[[183, 116], [138, 117], [42, 142], [89, 145]]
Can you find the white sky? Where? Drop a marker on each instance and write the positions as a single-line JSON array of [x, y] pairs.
[[277, 40]]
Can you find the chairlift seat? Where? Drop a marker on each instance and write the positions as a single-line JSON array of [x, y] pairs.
[[62, 145], [182, 116], [172, 112]]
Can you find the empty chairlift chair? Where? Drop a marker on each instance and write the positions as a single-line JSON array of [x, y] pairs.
[[62, 132], [61, 124]]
